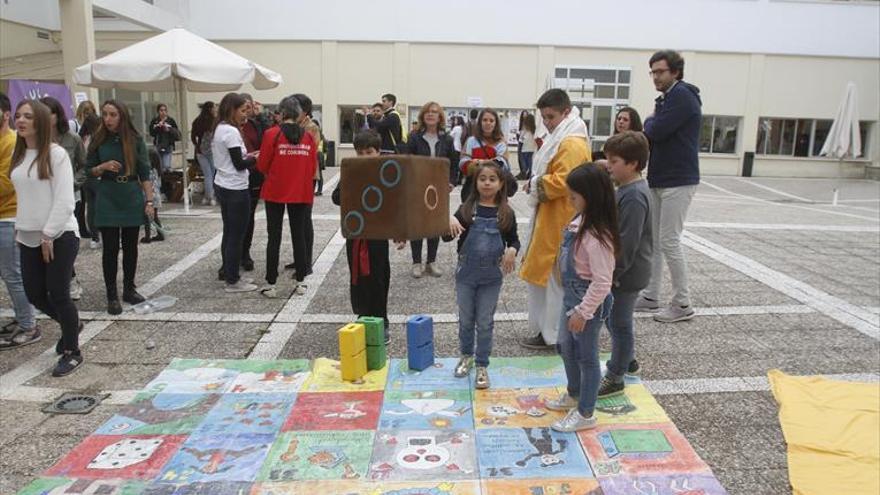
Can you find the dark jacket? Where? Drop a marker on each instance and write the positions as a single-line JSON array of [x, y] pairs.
[[164, 138], [389, 128], [633, 269], [252, 133], [674, 133], [417, 145]]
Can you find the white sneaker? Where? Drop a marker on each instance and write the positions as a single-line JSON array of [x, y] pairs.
[[573, 421], [240, 286], [213, 202], [76, 290], [417, 270], [300, 289], [204, 201], [674, 313], [93, 244], [432, 270], [564, 402], [269, 291]]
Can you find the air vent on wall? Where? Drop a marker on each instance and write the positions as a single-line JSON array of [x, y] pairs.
[[43, 35]]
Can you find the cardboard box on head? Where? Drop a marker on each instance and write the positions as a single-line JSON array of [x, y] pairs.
[[402, 197]]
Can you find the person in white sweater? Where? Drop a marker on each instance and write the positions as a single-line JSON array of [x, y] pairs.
[[46, 228]]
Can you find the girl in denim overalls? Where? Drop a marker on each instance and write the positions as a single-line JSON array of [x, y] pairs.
[[586, 266], [486, 252]]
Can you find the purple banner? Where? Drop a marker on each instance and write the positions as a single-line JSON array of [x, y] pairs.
[[22, 89]]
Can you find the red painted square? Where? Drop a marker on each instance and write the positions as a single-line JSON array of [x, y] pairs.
[[118, 456], [335, 411]]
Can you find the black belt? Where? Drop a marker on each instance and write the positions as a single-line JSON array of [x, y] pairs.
[[121, 179]]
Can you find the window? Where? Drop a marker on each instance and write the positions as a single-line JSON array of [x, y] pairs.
[[798, 137], [599, 91], [718, 134], [142, 106]]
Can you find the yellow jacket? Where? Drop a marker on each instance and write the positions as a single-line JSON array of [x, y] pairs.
[[8, 205], [554, 211]]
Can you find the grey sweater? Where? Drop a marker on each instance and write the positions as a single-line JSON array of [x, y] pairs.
[[633, 270]]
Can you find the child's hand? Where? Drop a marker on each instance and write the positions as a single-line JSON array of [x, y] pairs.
[[508, 261], [455, 228], [576, 322], [399, 244]]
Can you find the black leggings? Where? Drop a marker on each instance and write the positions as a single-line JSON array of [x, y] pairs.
[[110, 260], [47, 285], [416, 247], [249, 229], [299, 218]]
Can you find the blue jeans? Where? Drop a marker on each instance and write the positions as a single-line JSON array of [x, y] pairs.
[[476, 308], [10, 271], [206, 163], [580, 351], [166, 160], [525, 164], [620, 325], [235, 209]]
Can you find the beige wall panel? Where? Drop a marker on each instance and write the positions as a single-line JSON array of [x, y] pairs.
[[812, 87], [782, 167], [299, 63], [365, 72], [503, 76], [17, 40], [723, 80]]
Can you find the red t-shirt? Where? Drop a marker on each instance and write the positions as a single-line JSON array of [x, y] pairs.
[[289, 168]]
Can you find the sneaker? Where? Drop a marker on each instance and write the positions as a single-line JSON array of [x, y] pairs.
[[672, 314], [76, 290], [68, 363], [290, 266], [240, 286], [221, 275], [463, 368], [645, 305], [387, 337], [113, 307], [633, 368], [269, 291], [609, 388], [146, 240], [8, 329], [300, 289], [417, 270], [247, 264], [482, 381], [564, 402], [205, 201], [213, 202], [132, 297], [536, 342], [573, 421], [21, 338], [95, 244], [432, 270]]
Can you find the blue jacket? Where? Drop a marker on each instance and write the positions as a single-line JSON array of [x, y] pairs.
[[674, 133]]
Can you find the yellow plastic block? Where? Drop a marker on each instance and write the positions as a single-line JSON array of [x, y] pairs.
[[352, 340], [353, 367]]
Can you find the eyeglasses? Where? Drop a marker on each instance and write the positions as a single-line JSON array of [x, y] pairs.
[[657, 72]]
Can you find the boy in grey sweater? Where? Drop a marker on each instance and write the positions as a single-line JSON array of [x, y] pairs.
[[627, 154]]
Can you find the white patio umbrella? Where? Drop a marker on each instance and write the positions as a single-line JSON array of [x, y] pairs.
[[178, 61], [844, 138]]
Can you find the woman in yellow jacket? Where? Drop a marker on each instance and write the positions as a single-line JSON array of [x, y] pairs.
[[563, 149]]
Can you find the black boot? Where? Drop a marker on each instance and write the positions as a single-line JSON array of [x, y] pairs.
[[146, 238], [131, 296], [113, 306]]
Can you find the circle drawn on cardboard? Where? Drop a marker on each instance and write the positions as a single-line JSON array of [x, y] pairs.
[[429, 192], [359, 217], [372, 208], [397, 173]]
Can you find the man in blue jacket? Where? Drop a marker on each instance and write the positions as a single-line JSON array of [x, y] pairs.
[[673, 175]]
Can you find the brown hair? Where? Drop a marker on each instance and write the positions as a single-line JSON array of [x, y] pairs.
[[673, 59], [497, 135], [127, 134], [85, 109], [43, 129], [469, 208], [600, 213], [441, 124], [631, 146]]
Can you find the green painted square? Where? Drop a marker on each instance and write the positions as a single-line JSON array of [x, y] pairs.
[[640, 441], [319, 455]]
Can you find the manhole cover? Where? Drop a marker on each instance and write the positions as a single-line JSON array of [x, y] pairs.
[[74, 404]]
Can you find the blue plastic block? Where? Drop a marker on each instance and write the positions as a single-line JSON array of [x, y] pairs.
[[420, 342]]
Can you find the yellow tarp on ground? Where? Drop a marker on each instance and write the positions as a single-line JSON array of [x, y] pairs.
[[833, 433]]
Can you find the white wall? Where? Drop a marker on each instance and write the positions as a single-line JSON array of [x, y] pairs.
[[740, 26]]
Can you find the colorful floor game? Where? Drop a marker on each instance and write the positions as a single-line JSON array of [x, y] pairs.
[[223, 427]]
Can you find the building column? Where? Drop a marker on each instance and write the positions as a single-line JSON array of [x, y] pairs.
[[330, 92], [78, 41], [400, 82], [748, 139]]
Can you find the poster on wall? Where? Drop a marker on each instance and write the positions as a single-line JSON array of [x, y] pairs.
[[23, 89]]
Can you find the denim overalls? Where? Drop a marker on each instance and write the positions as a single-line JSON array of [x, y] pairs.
[[579, 351], [477, 285]]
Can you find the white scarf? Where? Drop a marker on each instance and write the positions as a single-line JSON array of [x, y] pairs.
[[571, 125]]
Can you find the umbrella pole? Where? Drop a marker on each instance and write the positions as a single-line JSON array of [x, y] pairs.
[[181, 104]]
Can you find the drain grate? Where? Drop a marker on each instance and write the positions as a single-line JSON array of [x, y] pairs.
[[74, 404]]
